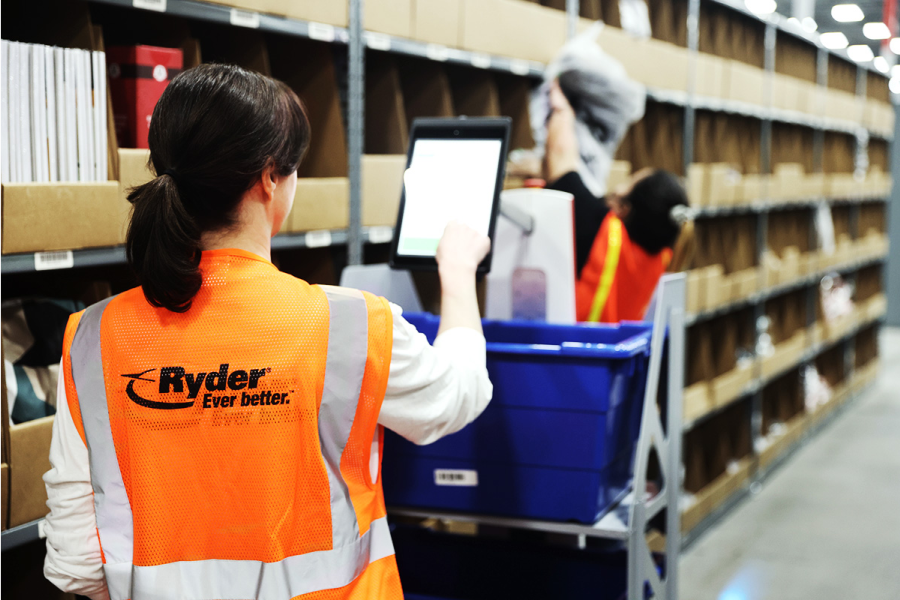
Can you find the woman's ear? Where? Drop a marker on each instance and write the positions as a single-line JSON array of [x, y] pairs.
[[268, 181]]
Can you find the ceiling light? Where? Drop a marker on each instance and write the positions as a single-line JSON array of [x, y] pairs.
[[847, 13], [810, 24], [860, 53], [876, 31], [895, 45], [895, 71], [834, 40], [881, 64], [895, 85], [761, 7]]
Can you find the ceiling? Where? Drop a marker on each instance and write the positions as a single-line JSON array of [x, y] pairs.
[[872, 9]]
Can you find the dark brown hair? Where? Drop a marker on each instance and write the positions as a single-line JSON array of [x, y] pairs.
[[213, 132]]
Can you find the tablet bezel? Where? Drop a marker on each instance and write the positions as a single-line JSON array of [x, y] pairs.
[[482, 128]]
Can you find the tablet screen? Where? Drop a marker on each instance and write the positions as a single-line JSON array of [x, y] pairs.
[[448, 179]]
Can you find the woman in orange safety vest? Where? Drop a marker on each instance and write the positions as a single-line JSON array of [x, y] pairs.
[[624, 244], [219, 427]]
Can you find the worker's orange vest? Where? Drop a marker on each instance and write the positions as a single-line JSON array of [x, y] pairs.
[[234, 449], [618, 281]]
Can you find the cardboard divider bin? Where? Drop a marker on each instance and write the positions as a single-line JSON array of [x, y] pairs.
[[725, 388], [382, 184], [786, 356], [393, 17], [529, 31], [331, 13], [437, 21]]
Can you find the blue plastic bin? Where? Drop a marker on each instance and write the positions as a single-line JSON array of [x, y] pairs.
[[557, 441]]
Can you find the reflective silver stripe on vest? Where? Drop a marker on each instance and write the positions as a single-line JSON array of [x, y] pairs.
[[242, 579], [114, 518], [345, 365]]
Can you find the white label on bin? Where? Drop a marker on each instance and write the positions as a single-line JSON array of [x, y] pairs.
[[157, 5], [481, 61], [378, 41], [47, 261], [380, 235], [244, 18], [457, 477], [321, 32], [519, 67], [318, 239], [437, 52]]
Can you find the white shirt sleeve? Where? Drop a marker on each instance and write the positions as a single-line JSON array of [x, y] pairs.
[[437, 390], [73, 562]]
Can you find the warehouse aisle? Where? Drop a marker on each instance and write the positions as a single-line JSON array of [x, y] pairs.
[[825, 525]]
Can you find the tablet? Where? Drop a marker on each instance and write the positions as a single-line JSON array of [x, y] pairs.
[[455, 170]]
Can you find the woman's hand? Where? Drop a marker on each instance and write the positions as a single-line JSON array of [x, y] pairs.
[[561, 153], [461, 250]]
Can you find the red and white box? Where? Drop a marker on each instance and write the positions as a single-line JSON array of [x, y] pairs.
[[137, 77]]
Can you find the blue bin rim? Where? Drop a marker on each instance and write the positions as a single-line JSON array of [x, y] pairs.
[[636, 344]]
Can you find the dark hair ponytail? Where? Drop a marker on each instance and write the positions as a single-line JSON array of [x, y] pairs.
[[649, 222], [213, 131]]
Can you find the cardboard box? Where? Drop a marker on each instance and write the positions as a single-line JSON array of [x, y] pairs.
[[138, 75], [393, 17], [437, 21], [513, 28], [331, 13], [787, 354], [751, 188], [744, 83], [726, 388], [382, 184], [788, 180], [696, 401], [4, 496], [843, 106], [696, 291], [713, 285], [710, 76], [320, 203], [40, 217], [133, 171], [650, 61], [723, 181], [619, 173], [696, 184], [29, 460]]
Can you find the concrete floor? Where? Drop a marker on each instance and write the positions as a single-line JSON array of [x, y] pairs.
[[825, 526]]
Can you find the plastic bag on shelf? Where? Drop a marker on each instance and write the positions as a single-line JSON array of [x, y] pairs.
[[816, 391], [825, 228], [837, 297], [605, 100]]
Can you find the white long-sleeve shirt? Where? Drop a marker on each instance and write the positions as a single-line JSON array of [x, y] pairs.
[[432, 391]]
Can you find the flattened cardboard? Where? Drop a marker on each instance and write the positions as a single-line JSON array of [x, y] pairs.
[[386, 125], [29, 460], [320, 203], [437, 21], [426, 90], [515, 96], [528, 31], [382, 183], [39, 217], [475, 93], [393, 17], [314, 80]]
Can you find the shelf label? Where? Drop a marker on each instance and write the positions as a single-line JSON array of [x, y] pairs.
[[456, 477], [318, 239], [519, 67], [380, 235], [321, 32], [378, 41], [157, 5], [481, 61], [437, 52], [48, 261], [244, 18]]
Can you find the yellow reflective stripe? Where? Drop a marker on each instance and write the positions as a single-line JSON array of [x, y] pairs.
[[613, 249]]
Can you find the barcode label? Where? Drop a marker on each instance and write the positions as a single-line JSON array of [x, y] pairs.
[[437, 52], [481, 61], [456, 477], [318, 239], [47, 261], [157, 5], [321, 32], [519, 67], [244, 18], [378, 41]]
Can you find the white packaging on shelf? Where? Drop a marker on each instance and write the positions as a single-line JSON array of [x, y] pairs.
[[52, 131], [59, 83], [24, 111], [39, 141], [71, 104]]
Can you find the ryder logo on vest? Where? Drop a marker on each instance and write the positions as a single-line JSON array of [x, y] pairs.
[[178, 381]]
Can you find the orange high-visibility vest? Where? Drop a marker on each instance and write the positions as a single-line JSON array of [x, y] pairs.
[[619, 278], [234, 449]]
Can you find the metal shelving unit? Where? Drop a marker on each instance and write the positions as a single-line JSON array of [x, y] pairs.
[[21, 535]]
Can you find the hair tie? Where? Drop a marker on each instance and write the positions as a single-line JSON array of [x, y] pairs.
[[171, 173], [681, 214]]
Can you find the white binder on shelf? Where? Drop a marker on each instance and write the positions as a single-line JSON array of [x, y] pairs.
[[71, 92], [52, 135], [4, 112], [89, 107], [98, 70], [24, 119], [61, 109], [82, 87], [39, 143]]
